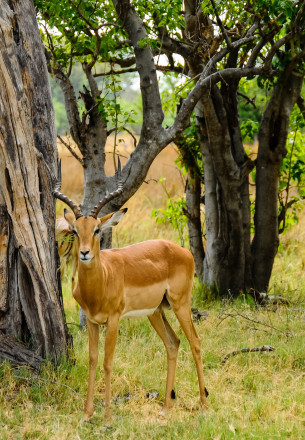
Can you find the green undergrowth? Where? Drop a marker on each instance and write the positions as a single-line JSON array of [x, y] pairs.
[[252, 395]]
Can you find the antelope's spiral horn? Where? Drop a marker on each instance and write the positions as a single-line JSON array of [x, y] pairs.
[[63, 198], [112, 195]]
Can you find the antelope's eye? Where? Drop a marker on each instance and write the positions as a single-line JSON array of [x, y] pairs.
[[75, 232], [96, 232]]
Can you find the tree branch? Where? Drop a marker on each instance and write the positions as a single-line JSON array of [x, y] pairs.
[[204, 85], [219, 22], [69, 148], [134, 69], [152, 107], [249, 100]]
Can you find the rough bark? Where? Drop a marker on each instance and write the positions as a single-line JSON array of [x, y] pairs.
[[225, 256], [227, 211], [192, 199], [18, 354], [31, 307], [272, 150]]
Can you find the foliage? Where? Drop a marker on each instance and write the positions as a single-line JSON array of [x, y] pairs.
[[190, 158], [249, 130], [252, 101], [292, 177], [110, 107], [75, 22], [173, 214], [77, 34]]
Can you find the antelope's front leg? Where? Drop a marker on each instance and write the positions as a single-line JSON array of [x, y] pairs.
[[110, 342], [93, 331]]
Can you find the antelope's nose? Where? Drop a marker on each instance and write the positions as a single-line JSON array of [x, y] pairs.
[[83, 254]]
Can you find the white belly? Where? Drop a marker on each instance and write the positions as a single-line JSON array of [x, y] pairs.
[[138, 313]]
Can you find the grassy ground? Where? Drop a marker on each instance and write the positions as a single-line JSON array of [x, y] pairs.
[[252, 395]]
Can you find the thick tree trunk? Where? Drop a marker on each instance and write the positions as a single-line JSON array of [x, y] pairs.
[[225, 175], [31, 307], [192, 199], [227, 257], [272, 150]]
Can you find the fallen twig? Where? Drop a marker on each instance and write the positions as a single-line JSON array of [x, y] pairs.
[[247, 350], [237, 314]]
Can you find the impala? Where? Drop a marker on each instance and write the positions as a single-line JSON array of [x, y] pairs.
[[138, 280]]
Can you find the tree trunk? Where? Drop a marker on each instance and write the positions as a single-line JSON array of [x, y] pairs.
[[225, 177], [192, 199], [272, 150], [31, 307]]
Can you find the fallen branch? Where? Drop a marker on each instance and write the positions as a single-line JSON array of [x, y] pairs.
[[247, 350], [262, 298]]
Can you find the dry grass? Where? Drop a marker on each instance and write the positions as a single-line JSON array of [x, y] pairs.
[[252, 395]]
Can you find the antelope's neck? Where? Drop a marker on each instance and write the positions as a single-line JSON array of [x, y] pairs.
[[91, 275]]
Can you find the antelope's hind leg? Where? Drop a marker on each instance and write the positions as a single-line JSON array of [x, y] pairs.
[[185, 319], [171, 341]]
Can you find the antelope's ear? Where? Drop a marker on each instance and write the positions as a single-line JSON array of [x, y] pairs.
[[69, 217], [112, 219]]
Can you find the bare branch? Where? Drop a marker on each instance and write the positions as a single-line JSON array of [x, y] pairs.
[[70, 149], [203, 85], [275, 47], [132, 135], [115, 72], [110, 24], [249, 100], [237, 314], [219, 22], [170, 45]]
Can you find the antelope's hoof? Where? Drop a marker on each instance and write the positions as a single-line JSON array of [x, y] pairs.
[[204, 408], [108, 416], [88, 414], [86, 417], [164, 411]]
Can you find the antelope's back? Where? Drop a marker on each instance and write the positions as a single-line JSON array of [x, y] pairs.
[[153, 261]]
